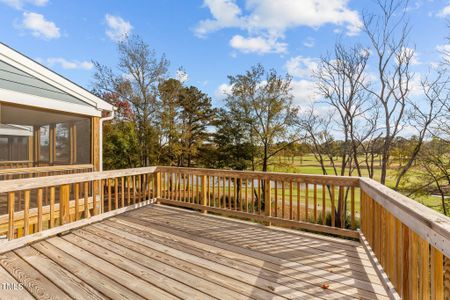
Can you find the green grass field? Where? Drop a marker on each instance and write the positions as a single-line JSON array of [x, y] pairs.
[[309, 165]]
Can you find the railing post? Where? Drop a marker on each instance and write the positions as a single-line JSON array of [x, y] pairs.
[[204, 194], [64, 209], [267, 200], [157, 185]]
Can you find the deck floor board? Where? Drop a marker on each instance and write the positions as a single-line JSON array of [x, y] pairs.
[[159, 252]]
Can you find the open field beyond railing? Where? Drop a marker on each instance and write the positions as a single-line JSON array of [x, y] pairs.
[[407, 241]]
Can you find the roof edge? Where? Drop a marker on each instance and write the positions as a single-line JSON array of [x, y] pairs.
[[30, 66]]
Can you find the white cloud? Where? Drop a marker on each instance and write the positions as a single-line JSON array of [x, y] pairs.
[[257, 45], [304, 92], [118, 28], [69, 64], [19, 4], [223, 91], [445, 12], [181, 76], [412, 54], [444, 50], [300, 66], [39, 26], [271, 19]]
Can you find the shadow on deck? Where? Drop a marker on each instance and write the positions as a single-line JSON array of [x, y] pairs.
[[160, 252]]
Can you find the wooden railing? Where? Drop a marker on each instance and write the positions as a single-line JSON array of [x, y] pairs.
[[62, 199], [19, 173], [15, 164], [409, 242], [313, 202]]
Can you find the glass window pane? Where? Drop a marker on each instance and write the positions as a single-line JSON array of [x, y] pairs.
[[44, 143]]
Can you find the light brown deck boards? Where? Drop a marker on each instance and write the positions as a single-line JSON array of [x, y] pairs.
[[345, 284], [13, 291], [158, 252]]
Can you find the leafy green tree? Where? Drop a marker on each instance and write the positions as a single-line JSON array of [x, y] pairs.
[[195, 116], [262, 102], [135, 81]]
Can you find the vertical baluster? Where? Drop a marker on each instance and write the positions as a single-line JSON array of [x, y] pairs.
[[324, 204], [11, 202], [276, 199], [219, 200], [197, 189], [352, 203], [413, 266], [437, 274], [95, 185], [290, 200], [299, 190], [235, 193], [306, 202], [64, 213], [76, 193], [252, 195], [204, 195], [259, 195], [122, 190], [342, 207], [86, 199], [333, 208], [229, 192], [26, 213], [109, 195], [246, 195], [52, 206], [315, 203], [213, 199], [134, 189], [282, 199], [40, 194], [424, 251], [128, 191]]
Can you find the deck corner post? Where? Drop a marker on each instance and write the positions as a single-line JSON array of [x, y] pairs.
[[204, 193], [157, 185]]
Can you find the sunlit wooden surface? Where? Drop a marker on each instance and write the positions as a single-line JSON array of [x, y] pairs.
[[160, 252]]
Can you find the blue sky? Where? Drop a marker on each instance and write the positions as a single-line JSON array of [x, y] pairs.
[[210, 39]]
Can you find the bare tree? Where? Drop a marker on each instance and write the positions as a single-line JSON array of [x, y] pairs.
[[424, 115], [340, 81], [388, 34]]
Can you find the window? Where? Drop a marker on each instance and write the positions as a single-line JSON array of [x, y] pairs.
[[62, 143], [83, 141], [44, 145], [4, 149]]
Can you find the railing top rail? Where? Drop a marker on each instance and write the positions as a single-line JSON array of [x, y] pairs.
[[40, 182], [427, 223], [7, 162], [307, 178], [35, 170]]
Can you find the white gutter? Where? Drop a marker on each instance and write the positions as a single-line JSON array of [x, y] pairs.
[[108, 118]]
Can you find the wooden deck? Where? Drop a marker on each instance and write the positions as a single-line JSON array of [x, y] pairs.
[[158, 252]]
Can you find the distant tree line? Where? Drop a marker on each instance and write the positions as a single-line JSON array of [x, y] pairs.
[[356, 128]]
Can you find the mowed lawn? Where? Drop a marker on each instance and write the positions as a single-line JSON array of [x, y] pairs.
[[309, 165]]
